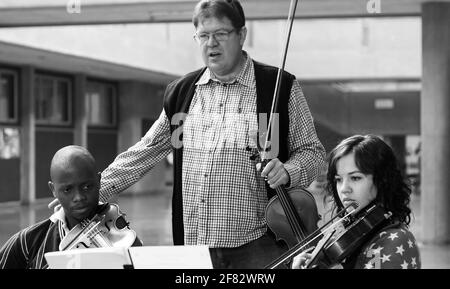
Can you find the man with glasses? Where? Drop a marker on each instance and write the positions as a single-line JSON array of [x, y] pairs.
[[209, 116]]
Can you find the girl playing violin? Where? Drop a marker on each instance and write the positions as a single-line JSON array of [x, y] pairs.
[[364, 170]]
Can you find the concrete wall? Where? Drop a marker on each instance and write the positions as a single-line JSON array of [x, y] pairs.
[[343, 48], [402, 119], [327, 106], [328, 136], [319, 49], [48, 141], [356, 113], [140, 103], [10, 180]]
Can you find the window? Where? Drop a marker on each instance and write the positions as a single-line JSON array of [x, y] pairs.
[[8, 96], [101, 97], [53, 100], [9, 143]]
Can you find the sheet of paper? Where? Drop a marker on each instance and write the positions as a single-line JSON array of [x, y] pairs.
[[171, 257], [93, 258]]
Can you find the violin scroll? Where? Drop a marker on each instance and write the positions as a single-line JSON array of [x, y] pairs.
[[108, 228]]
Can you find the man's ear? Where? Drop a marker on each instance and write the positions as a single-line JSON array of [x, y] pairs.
[[52, 188], [242, 35]]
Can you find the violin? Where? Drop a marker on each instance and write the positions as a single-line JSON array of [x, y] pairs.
[[108, 228], [290, 215], [334, 246], [360, 227]]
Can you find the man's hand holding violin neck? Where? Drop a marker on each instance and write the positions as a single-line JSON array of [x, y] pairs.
[[275, 173]]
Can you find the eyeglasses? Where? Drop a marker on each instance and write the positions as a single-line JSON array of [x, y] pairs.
[[220, 36]]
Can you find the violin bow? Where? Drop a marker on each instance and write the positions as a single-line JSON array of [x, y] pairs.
[[325, 229], [320, 245], [291, 17]]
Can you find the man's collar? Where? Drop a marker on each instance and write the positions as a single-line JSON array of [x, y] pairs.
[[245, 77], [58, 216], [61, 217]]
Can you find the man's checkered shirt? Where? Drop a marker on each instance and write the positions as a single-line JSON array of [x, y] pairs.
[[224, 196]]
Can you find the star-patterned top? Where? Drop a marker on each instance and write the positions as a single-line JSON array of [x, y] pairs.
[[394, 247]]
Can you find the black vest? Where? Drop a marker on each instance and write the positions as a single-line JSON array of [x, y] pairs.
[[177, 99]]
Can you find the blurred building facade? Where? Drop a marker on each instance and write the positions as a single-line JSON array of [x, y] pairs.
[[102, 86]]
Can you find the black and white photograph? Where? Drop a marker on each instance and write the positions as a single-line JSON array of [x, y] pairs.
[[227, 143]]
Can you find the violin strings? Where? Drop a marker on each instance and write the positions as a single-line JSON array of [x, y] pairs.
[[290, 214], [89, 229]]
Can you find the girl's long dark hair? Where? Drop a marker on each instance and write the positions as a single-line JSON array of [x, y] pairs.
[[374, 157]]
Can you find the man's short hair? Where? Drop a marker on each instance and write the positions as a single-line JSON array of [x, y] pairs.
[[230, 9]]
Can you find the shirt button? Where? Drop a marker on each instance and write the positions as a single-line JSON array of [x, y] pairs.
[[202, 201], [206, 175], [221, 104]]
